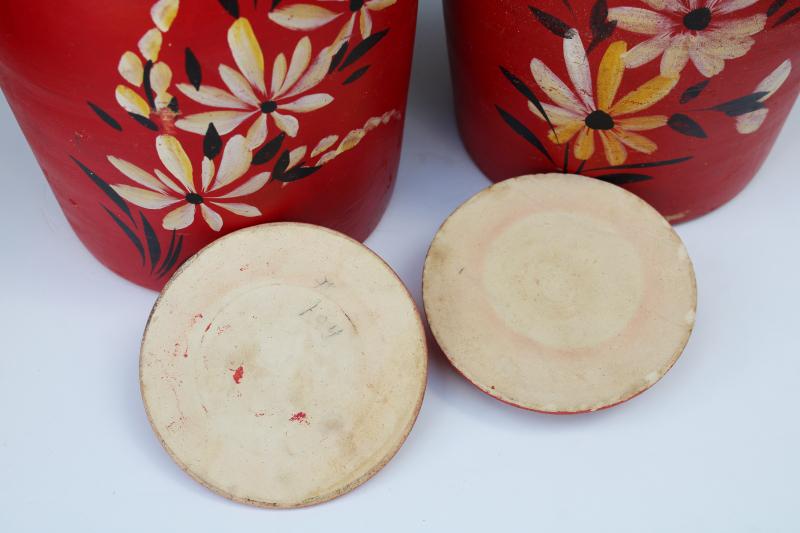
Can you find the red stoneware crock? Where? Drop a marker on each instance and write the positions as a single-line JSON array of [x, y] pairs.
[[679, 101], [163, 125]]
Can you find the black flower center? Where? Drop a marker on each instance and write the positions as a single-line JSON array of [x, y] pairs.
[[355, 5], [194, 198], [269, 107], [697, 19], [600, 120]]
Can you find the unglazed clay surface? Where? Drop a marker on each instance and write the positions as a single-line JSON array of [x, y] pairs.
[[283, 365], [559, 293]]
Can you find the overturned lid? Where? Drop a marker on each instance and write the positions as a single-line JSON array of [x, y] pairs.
[[283, 365], [559, 293]]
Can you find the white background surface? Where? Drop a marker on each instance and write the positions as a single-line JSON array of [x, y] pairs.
[[715, 446]]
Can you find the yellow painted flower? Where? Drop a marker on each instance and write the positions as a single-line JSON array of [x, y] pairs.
[[681, 30], [581, 116], [179, 189], [308, 16], [248, 96]]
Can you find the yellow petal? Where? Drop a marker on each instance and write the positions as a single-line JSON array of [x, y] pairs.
[[163, 13], [132, 102], [247, 53], [645, 96], [302, 16], [378, 5], [615, 152], [642, 123], [131, 69], [174, 158], [640, 143], [566, 131], [610, 75], [584, 144], [150, 45]]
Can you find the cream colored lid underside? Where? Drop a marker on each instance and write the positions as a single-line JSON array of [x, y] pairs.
[[284, 365], [559, 293]]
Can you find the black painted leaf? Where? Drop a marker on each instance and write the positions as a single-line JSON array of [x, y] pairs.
[[356, 75], [623, 178], [554, 24], [775, 7], [149, 93], [566, 158], [743, 105], [170, 249], [649, 164], [137, 242], [173, 105], [282, 165], [694, 91], [362, 48], [269, 150], [527, 93], [212, 142], [231, 6], [524, 132], [786, 16], [686, 125], [170, 262], [568, 5], [106, 188], [338, 56], [297, 173], [144, 121], [153, 246], [193, 69], [105, 117], [602, 28]]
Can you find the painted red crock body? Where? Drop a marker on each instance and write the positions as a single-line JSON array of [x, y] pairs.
[[163, 125], [678, 100]]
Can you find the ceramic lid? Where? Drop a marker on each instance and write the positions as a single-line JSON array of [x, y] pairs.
[[283, 365], [559, 293]]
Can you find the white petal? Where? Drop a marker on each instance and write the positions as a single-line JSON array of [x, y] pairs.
[[224, 121], [208, 171], [132, 102], [300, 61], [366, 23], [150, 45], [315, 74], [163, 13], [238, 85], [378, 5], [302, 16], [306, 104], [640, 20], [166, 180], [578, 68], [211, 96], [211, 217], [131, 69], [247, 53], [296, 156], [278, 73], [253, 185], [174, 157], [557, 115], [350, 141], [555, 89], [180, 218], [709, 65], [160, 77], [243, 210], [257, 133], [675, 56], [286, 123], [751, 122], [136, 174], [324, 144], [646, 51], [144, 198], [775, 80], [236, 160], [729, 6]]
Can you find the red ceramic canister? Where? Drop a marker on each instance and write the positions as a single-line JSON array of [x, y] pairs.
[[678, 100], [162, 125]]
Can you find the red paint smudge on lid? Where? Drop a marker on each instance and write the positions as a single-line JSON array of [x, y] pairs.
[[299, 417], [238, 374], [208, 327]]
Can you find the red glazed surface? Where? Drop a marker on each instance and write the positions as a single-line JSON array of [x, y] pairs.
[[60, 72], [706, 125]]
